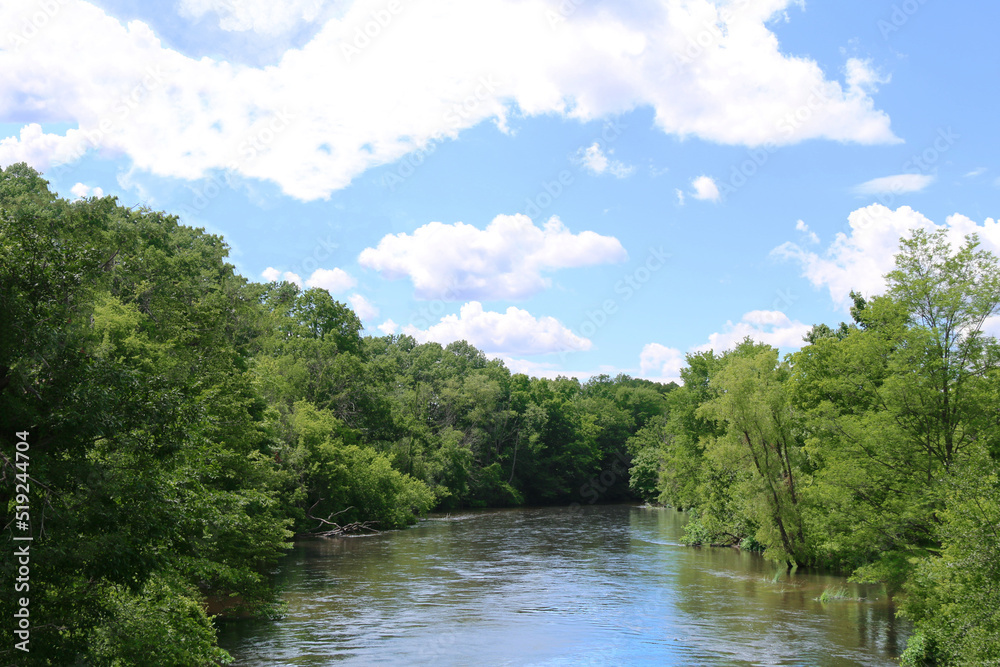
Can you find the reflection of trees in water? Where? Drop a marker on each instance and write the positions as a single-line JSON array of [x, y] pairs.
[[527, 584]]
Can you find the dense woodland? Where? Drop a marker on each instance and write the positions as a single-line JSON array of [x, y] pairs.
[[185, 424]]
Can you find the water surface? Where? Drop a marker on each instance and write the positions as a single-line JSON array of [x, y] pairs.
[[603, 585]]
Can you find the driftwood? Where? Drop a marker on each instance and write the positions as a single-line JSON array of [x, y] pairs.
[[334, 529]]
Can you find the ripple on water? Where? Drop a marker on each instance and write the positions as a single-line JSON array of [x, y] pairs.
[[601, 586]]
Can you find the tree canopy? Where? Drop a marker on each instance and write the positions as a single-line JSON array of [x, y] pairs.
[[184, 424]]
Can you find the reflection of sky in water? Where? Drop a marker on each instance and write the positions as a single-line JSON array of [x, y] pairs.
[[600, 586]]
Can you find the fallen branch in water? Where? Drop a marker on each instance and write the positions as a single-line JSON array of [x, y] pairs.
[[348, 529], [336, 529]]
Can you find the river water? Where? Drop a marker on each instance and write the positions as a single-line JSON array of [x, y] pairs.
[[600, 585]]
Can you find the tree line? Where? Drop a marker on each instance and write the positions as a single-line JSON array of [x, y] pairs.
[[185, 424], [871, 451]]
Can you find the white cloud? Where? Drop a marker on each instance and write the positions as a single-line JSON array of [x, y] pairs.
[[388, 327], [862, 77], [705, 189], [362, 307], [978, 171], [897, 184], [271, 274], [532, 368], [680, 196], [804, 228], [991, 326], [504, 261], [859, 259], [542, 369], [771, 327], [262, 16], [661, 363], [514, 331], [313, 121], [597, 162], [40, 149], [332, 280], [82, 191]]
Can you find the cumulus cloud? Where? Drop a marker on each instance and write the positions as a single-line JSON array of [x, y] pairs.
[[858, 260], [504, 261], [332, 280], [261, 16], [861, 77], [897, 184], [543, 369], [514, 331], [40, 149], [271, 274], [661, 363], [82, 191], [771, 327], [528, 367], [705, 189], [299, 123], [597, 162], [810, 236], [362, 307], [388, 327]]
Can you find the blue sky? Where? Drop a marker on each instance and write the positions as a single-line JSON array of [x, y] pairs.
[[575, 186]]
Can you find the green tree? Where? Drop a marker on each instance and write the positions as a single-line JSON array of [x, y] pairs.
[[896, 404], [752, 400]]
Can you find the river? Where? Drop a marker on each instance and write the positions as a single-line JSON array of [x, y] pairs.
[[598, 585]]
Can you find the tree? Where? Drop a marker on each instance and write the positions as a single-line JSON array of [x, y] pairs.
[[752, 401], [954, 599], [896, 404]]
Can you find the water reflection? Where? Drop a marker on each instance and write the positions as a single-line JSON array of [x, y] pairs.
[[597, 586]]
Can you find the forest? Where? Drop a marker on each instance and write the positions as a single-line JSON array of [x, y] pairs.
[[183, 425]]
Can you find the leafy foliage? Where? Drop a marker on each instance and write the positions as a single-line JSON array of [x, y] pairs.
[[185, 424], [872, 450]]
